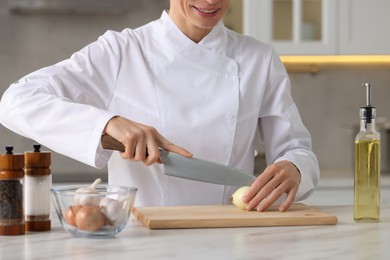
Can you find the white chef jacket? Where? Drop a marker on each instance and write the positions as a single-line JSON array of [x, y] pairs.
[[207, 97]]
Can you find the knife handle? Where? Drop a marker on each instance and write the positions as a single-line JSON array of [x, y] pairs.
[[110, 143]]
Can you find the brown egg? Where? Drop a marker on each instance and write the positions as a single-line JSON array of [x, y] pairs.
[[90, 218], [70, 215]]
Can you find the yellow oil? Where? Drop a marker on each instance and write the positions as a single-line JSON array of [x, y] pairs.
[[367, 181]]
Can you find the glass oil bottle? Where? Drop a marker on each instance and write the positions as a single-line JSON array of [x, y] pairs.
[[367, 165]]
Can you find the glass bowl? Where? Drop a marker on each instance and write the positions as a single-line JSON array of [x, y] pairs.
[[100, 213]]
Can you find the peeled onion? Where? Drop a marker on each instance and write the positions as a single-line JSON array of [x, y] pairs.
[[237, 197]]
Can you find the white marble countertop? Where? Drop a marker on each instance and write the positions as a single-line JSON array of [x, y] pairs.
[[346, 240]]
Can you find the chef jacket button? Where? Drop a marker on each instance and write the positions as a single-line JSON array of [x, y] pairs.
[[232, 67], [231, 116]]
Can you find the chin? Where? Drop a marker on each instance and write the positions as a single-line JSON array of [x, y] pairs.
[[206, 24]]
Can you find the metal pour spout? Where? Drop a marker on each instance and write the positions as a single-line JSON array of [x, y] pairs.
[[368, 112], [368, 94]]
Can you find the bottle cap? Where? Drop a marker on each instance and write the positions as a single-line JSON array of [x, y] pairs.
[[368, 112], [11, 165], [37, 163]]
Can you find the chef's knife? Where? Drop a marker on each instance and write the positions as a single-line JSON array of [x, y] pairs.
[[192, 168]]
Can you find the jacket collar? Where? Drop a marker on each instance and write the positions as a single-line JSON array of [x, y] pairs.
[[211, 41], [211, 51]]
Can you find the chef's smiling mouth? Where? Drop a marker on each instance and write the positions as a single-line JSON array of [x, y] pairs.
[[206, 11]]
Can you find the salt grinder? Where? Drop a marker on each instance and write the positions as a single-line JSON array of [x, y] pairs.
[[11, 193], [37, 184]]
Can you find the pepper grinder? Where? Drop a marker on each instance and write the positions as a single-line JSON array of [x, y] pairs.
[[11, 193], [37, 184]]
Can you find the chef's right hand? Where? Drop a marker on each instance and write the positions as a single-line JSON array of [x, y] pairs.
[[141, 141]]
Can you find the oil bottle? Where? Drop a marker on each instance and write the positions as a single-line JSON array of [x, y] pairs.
[[367, 165]]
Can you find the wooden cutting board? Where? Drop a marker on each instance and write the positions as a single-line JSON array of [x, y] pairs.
[[229, 216]]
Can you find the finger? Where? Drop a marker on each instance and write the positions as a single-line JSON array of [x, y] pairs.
[[289, 200], [140, 150], [165, 144], [271, 198], [257, 185], [262, 186], [259, 197], [271, 191], [129, 150], [179, 150], [152, 155], [276, 194], [262, 194]]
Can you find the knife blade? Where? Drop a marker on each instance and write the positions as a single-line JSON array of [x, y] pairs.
[[192, 168]]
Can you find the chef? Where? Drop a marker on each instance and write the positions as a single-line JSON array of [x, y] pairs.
[[185, 83]]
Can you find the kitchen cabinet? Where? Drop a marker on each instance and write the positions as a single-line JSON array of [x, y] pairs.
[[364, 27], [292, 26], [315, 27]]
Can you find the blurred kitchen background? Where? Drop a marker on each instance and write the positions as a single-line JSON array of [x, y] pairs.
[[326, 84]]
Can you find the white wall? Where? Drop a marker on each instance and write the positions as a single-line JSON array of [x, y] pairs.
[[31, 41], [329, 101]]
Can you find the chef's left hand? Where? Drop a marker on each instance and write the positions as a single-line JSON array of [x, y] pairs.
[[277, 179]]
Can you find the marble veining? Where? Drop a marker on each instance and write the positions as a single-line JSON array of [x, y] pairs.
[[346, 240]]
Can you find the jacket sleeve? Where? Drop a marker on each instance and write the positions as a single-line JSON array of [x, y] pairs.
[[63, 106], [283, 132]]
